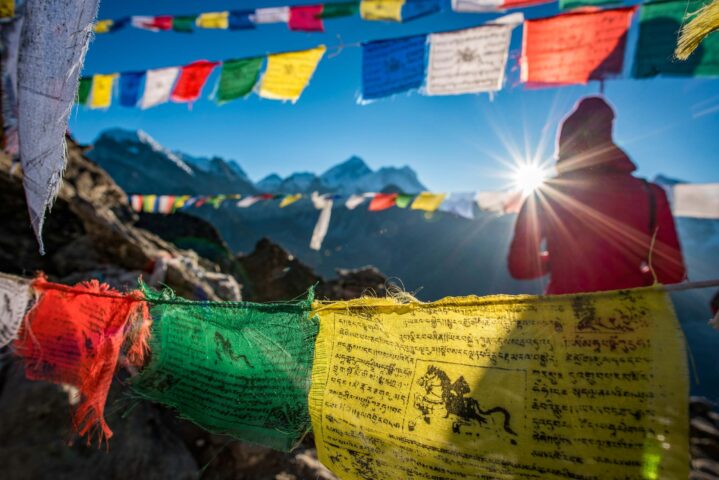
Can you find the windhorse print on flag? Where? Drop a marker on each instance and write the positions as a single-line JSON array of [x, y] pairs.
[[583, 386], [574, 48], [659, 25], [241, 369], [393, 66]]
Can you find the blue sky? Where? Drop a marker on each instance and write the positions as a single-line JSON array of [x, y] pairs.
[[456, 143]]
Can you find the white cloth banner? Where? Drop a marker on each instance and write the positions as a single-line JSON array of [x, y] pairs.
[[696, 200], [248, 201], [54, 41], [14, 298], [460, 204], [271, 15], [323, 222], [468, 61], [158, 86]]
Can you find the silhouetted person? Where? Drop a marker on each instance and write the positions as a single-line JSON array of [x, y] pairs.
[[602, 228]]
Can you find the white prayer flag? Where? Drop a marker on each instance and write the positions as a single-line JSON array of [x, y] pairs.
[[14, 297], [323, 203], [158, 86], [271, 15], [468, 61], [696, 200], [53, 46]]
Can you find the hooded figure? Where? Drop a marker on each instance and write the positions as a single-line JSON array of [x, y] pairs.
[[595, 226]]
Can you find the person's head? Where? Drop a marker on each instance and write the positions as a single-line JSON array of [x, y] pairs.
[[585, 139]]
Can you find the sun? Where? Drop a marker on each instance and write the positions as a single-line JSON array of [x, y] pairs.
[[528, 177]]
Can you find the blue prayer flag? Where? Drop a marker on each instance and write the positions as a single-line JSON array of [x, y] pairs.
[[240, 20], [393, 66], [130, 88]]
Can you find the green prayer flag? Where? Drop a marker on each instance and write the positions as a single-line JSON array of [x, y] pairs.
[[185, 24], [84, 87], [237, 78], [240, 368], [403, 200], [569, 4], [659, 25], [342, 9]]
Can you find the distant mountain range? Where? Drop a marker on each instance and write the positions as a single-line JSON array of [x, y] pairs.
[[139, 164]]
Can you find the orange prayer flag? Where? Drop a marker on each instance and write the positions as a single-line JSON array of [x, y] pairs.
[[191, 80], [575, 47], [383, 201], [73, 335]]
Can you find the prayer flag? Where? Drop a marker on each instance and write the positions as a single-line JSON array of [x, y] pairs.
[[103, 26], [271, 15], [154, 24], [502, 387], [15, 295], [659, 24], [288, 74], [696, 200], [403, 200], [290, 199], [241, 369], [382, 9], [429, 202], [393, 66], [73, 335], [101, 96], [83, 90], [238, 78], [413, 9], [468, 61], [478, 6], [158, 86], [460, 204], [340, 9], [130, 83], [218, 20], [185, 23], [382, 201], [306, 18], [324, 203], [240, 20], [192, 79], [575, 47]]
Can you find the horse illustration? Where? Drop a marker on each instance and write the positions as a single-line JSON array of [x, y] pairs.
[[441, 394]]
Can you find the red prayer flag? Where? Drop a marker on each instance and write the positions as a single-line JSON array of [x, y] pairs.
[[306, 18], [382, 201], [73, 335], [575, 47], [191, 80]]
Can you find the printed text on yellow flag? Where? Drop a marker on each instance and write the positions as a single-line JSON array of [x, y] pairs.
[[585, 387]]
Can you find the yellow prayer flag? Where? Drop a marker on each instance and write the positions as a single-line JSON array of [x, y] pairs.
[[573, 386], [428, 202], [103, 26], [381, 9], [213, 20], [7, 8], [288, 74], [101, 93], [290, 199]]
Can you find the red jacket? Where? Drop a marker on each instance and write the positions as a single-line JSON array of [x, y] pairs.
[[596, 222]]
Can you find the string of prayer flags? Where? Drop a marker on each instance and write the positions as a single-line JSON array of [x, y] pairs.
[[158, 86], [468, 61], [659, 27], [15, 294], [704, 22], [382, 201], [393, 66], [191, 80], [241, 369], [238, 78], [532, 387], [460, 204], [340, 9], [271, 15], [574, 48], [429, 202], [130, 83], [101, 96], [73, 335], [214, 20], [287, 74], [381, 9], [241, 20], [290, 199], [306, 18], [325, 204], [54, 39]]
